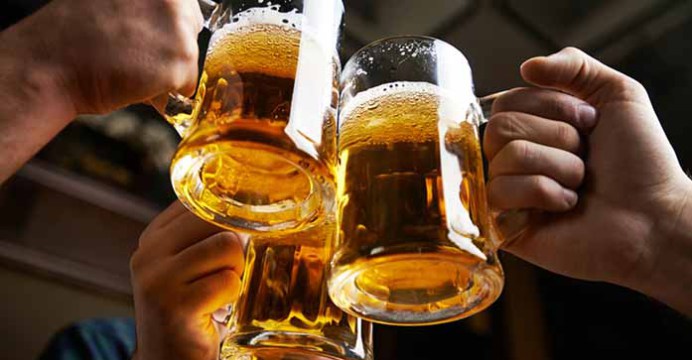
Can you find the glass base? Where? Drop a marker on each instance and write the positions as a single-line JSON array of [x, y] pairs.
[[268, 345], [251, 187], [416, 285]]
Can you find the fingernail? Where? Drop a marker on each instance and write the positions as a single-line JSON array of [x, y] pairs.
[[588, 116], [571, 197]]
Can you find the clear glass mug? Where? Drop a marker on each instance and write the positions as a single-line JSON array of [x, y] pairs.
[[258, 140], [417, 244], [284, 311]]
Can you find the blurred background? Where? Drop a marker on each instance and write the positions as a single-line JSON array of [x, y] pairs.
[[70, 219]]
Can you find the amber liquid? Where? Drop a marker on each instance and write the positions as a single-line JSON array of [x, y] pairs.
[[284, 311], [241, 167], [414, 243]]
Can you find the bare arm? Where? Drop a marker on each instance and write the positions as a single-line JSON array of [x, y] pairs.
[[33, 105], [89, 57]]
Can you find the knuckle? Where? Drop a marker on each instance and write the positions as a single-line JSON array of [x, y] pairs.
[[565, 110], [541, 189], [186, 53], [505, 126], [636, 87], [628, 87], [190, 53], [578, 172], [138, 260], [179, 78], [227, 277], [573, 51], [495, 169], [494, 193], [505, 101], [565, 134], [224, 242], [186, 67], [210, 288], [502, 194], [144, 236], [135, 262], [523, 152]]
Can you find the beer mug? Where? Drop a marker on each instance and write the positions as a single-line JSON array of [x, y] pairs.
[[284, 311], [259, 138], [416, 243]]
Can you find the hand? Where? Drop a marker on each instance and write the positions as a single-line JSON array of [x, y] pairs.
[[631, 207], [183, 271], [90, 56], [106, 54]]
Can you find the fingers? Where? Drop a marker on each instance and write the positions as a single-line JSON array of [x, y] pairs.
[[187, 72], [190, 50], [175, 230], [576, 73], [184, 68], [548, 104], [529, 192], [506, 127], [185, 231], [214, 291], [197, 16], [218, 252], [522, 157], [174, 210], [532, 143]]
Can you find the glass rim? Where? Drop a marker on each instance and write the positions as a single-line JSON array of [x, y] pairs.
[[338, 2], [378, 42]]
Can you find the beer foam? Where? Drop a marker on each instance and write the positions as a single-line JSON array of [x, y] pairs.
[[267, 41], [399, 112], [259, 16]]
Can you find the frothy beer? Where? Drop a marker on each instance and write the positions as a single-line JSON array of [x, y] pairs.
[[249, 155], [409, 234]]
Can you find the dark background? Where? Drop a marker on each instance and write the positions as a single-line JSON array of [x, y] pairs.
[[111, 167]]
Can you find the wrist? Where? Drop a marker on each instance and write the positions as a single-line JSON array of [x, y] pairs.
[[668, 274]]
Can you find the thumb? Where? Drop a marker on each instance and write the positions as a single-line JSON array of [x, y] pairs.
[[574, 72]]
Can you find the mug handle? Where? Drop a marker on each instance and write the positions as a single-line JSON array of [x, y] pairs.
[[510, 224], [179, 108]]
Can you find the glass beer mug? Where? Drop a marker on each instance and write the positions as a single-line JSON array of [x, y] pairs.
[[284, 311], [416, 243], [258, 140]]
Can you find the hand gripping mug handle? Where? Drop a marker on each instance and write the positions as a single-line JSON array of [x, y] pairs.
[[510, 224], [179, 109]]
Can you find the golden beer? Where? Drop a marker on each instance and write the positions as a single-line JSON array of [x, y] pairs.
[[413, 222], [284, 311], [243, 165]]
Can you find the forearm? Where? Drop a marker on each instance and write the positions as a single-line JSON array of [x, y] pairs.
[[670, 276], [33, 106]]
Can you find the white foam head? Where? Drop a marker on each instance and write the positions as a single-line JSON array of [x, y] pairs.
[[449, 103], [319, 21], [269, 15]]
